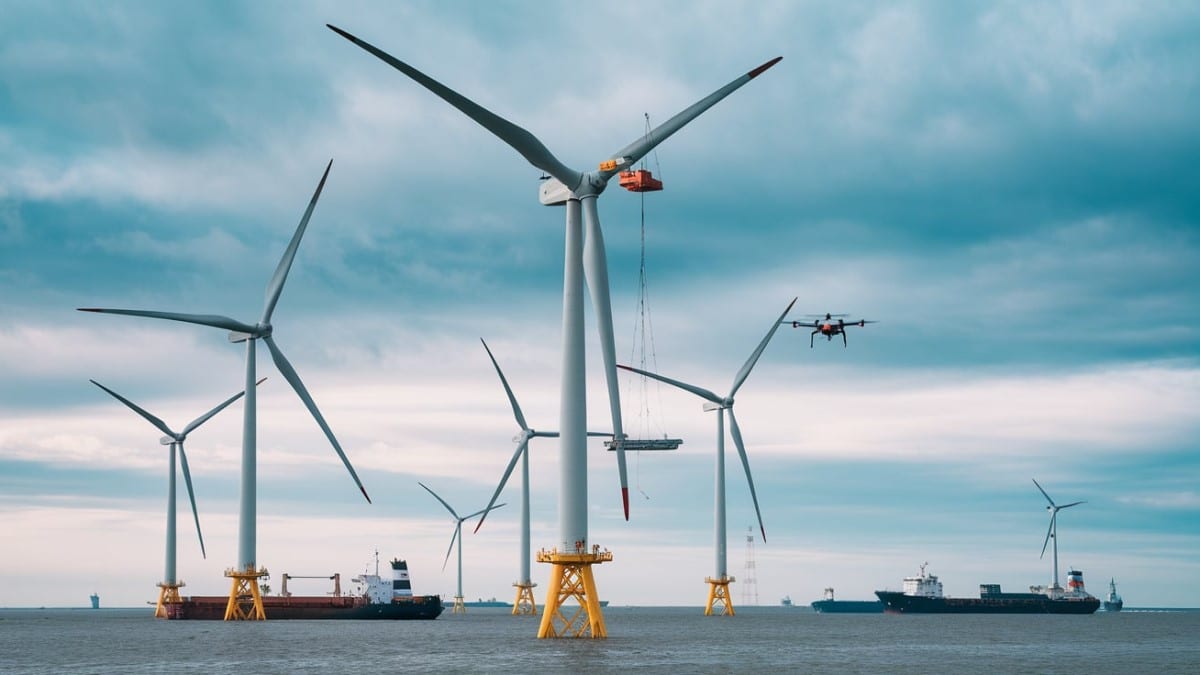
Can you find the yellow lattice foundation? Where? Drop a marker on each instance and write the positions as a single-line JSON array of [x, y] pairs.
[[245, 600], [718, 597], [168, 594], [524, 603], [459, 607], [571, 577]]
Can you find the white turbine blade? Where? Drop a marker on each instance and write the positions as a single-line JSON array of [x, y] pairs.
[[1048, 531], [512, 399], [187, 480], [213, 320], [503, 480], [457, 529], [638, 149], [595, 268], [133, 406], [749, 365], [289, 374], [1067, 506], [741, 448], [285, 264], [552, 434], [443, 501], [521, 140], [699, 391], [1039, 487], [483, 511], [208, 415]]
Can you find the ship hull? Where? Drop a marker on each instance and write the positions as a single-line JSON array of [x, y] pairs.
[[847, 606], [895, 602], [1110, 606], [317, 607]]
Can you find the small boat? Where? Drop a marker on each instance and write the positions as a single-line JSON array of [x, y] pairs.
[[1113, 603], [828, 605]]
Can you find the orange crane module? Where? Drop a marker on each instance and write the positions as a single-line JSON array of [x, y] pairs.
[[640, 180]]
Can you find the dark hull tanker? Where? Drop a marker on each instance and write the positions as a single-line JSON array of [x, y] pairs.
[[923, 595], [375, 598], [828, 605]]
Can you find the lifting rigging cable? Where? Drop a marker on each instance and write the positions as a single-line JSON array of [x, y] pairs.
[[643, 355]]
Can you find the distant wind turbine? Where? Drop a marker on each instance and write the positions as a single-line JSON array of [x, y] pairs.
[[1052, 532], [524, 599], [250, 333], [458, 521], [170, 586], [719, 584], [584, 256]]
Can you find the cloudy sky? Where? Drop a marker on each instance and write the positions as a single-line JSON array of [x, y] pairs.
[[1010, 189]]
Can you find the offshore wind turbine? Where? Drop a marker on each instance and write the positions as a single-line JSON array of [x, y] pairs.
[[169, 588], [459, 607], [585, 258], [245, 600], [524, 603], [718, 584], [1052, 531]]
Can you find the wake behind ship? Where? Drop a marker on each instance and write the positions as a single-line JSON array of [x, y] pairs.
[[376, 598], [922, 594]]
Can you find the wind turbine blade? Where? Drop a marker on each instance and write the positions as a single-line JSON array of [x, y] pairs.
[[749, 365], [504, 479], [595, 268], [483, 511], [457, 529], [1066, 506], [1039, 487], [187, 479], [699, 391], [208, 415], [507, 390], [213, 320], [638, 149], [133, 406], [289, 374], [1048, 531], [521, 140], [443, 501], [736, 432], [285, 264]]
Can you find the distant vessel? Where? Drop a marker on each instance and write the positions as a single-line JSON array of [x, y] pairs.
[[828, 605], [375, 598], [1113, 603], [492, 602], [922, 594], [95, 601], [786, 601]]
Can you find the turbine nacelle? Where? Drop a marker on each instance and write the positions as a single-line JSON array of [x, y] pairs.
[[261, 330], [710, 406], [168, 440]]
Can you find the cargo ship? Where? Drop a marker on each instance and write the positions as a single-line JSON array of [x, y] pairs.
[[828, 605], [374, 598], [1113, 603], [922, 594]]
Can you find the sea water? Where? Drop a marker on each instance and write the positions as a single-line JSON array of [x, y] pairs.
[[640, 639]]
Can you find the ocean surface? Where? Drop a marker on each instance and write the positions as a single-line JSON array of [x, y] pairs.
[[641, 639]]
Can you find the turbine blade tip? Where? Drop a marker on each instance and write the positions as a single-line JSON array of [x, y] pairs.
[[625, 501], [759, 70], [364, 491]]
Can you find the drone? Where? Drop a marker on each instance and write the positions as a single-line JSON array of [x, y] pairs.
[[828, 326]]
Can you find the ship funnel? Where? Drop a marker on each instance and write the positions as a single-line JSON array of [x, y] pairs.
[[1075, 582], [401, 584]]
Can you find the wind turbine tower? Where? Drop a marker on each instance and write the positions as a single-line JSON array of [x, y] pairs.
[[524, 603], [245, 599], [459, 607], [719, 602], [168, 589], [1052, 532], [572, 559]]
